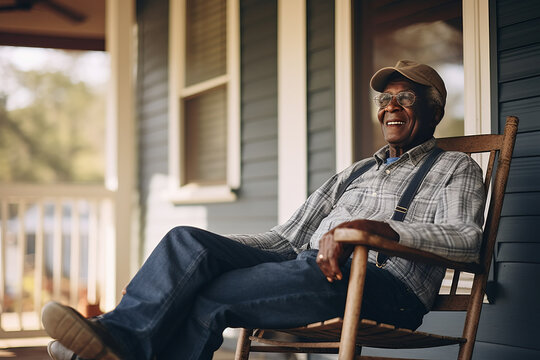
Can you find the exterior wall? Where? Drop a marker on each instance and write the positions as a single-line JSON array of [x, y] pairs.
[[507, 328], [256, 207], [320, 92], [513, 319], [152, 119]]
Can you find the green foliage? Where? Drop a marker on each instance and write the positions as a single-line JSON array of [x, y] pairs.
[[58, 136]]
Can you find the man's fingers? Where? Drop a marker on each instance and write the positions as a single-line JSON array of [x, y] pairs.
[[334, 269], [329, 266], [324, 265]]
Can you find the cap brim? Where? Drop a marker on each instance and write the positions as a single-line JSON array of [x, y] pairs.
[[379, 79]]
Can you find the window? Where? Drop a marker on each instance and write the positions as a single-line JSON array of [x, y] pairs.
[[451, 35], [204, 140], [429, 32]]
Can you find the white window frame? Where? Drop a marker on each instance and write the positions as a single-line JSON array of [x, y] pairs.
[[476, 64], [343, 83], [477, 67], [179, 192]]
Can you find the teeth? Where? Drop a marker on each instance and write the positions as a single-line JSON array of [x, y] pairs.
[[395, 123]]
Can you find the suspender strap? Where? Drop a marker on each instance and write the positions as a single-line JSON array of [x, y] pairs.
[[355, 174], [403, 205]]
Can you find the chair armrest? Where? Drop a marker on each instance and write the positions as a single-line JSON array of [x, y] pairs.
[[393, 248]]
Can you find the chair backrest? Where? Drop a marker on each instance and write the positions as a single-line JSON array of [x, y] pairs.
[[500, 146]]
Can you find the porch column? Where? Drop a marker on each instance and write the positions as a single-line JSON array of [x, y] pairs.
[[292, 107], [121, 249]]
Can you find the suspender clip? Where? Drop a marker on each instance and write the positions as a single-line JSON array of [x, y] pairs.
[[401, 209]]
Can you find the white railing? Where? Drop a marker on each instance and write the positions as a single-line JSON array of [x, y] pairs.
[[51, 239]]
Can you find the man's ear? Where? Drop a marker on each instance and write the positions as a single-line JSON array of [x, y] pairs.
[[437, 117]]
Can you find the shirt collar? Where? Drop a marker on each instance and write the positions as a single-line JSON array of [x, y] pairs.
[[416, 154]]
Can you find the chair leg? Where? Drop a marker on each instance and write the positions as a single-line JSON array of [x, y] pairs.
[[347, 346], [243, 345]]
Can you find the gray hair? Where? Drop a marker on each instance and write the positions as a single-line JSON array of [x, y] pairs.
[[435, 102]]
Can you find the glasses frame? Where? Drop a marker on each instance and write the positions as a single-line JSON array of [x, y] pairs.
[[392, 96]]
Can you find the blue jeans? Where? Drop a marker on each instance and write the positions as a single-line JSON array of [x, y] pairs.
[[196, 283]]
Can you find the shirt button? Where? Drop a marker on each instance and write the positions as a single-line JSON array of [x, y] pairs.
[[387, 171], [375, 194]]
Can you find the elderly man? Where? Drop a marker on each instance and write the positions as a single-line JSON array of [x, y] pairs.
[[196, 283]]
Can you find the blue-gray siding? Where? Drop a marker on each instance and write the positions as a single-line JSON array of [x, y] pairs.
[[320, 93], [152, 107], [508, 328], [152, 89], [256, 208], [514, 318]]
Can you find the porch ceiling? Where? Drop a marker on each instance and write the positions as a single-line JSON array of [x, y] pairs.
[[54, 24]]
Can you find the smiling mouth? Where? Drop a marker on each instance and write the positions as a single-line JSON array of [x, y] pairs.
[[395, 123]]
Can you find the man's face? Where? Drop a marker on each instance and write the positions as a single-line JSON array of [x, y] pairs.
[[405, 127]]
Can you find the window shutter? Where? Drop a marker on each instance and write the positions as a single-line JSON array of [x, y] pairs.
[[206, 137], [206, 40]]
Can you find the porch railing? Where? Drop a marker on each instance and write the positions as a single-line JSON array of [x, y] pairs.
[[51, 238]]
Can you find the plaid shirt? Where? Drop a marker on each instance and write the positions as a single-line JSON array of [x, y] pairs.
[[445, 217]]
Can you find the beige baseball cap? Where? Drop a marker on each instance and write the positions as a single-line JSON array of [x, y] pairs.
[[419, 73]]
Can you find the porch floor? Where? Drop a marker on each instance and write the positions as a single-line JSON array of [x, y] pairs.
[[26, 353], [40, 353]]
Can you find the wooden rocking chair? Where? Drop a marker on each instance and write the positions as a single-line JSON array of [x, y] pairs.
[[347, 336]]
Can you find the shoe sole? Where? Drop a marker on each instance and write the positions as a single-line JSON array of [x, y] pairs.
[[71, 330]]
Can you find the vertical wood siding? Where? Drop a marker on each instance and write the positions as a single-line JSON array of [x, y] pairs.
[[320, 93]]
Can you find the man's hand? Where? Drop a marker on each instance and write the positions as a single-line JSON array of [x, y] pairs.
[[333, 254]]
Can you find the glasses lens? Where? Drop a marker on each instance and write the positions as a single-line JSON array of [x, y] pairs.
[[383, 99], [405, 98]]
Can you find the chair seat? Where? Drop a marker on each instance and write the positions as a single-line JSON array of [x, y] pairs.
[[370, 334]]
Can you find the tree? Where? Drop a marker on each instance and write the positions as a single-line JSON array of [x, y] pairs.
[[58, 136]]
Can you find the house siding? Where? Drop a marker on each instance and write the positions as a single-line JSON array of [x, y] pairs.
[[256, 207], [513, 319], [152, 119], [320, 92], [507, 328]]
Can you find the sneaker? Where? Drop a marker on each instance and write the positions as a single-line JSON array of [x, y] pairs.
[[86, 338], [57, 351]]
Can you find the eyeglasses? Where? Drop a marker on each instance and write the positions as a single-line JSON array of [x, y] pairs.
[[404, 98]]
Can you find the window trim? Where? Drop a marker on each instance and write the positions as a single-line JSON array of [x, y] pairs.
[[344, 84], [477, 67], [180, 192]]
